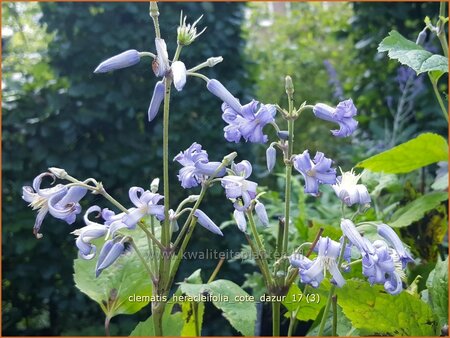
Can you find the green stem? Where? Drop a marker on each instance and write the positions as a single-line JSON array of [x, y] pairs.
[[265, 272], [157, 314], [330, 295], [154, 13], [216, 270], [177, 53], [276, 319], [144, 262], [441, 29], [201, 76], [279, 247], [334, 327], [165, 234], [438, 97], [151, 236]]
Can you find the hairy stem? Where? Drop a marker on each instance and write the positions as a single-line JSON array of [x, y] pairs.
[[276, 319]]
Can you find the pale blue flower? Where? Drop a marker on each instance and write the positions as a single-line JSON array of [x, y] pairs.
[[146, 203], [122, 60], [261, 212], [315, 172], [392, 238], [348, 191], [218, 89], [179, 75], [343, 115], [196, 166], [241, 222], [271, 157], [157, 99], [237, 188]]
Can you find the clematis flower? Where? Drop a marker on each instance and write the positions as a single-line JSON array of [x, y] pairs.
[[110, 252], [343, 115], [91, 231], [122, 60], [313, 272], [179, 75], [391, 237], [161, 63], [207, 222], [219, 90], [61, 202], [261, 212], [248, 122], [381, 263], [146, 203], [348, 191], [187, 33], [157, 99], [196, 166], [237, 187], [315, 172]]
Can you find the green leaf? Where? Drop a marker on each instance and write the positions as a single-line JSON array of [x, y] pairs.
[[192, 312], [416, 209], [374, 312], [123, 288], [421, 151], [412, 55], [172, 324], [307, 310], [437, 284], [240, 314]]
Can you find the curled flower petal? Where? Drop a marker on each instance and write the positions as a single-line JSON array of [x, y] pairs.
[[157, 99], [65, 205], [394, 284], [122, 60], [314, 172], [389, 234], [241, 222], [179, 75], [217, 89], [206, 222], [343, 115], [350, 231], [243, 168]]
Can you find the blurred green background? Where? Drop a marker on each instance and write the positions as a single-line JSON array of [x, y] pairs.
[[56, 112]]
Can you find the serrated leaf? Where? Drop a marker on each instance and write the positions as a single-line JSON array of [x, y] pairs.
[[374, 312], [240, 314], [416, 209], [421, 151], [437, 284], [112, 290], [412, 55]]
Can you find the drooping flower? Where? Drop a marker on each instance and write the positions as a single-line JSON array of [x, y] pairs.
[[196, 166], [315, 172], [219, 90], [381, 263], [110, 252], [271, 157], [348, 191], [391, 237], [313, 271], [146, 203], [237, 188], [248, 122], [86, 234], [207, 222], [343, 115], [122, 60], [61, 202]]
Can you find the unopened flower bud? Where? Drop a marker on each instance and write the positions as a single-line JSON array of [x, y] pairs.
[[123, 60], [154, 186], [179, 75], [212, 61], [421, 37], [271, 156], [262, 213], [283, 135], [193, 198], [239, 217], [230, 157], [157, 98], [289, 86], [58, 172]]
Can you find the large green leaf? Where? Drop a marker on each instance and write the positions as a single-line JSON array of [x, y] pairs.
[[412, 55], [223, 293], [192, 312], [437, 284], [374, 312], [307, 310], [421, 151], [123, 288], [416, 209]]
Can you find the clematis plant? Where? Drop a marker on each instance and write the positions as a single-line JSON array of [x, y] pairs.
[[169, 227]]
